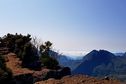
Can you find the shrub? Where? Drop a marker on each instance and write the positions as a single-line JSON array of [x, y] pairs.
[[45, 58], [5, 73], [49, 62], [30, 57]]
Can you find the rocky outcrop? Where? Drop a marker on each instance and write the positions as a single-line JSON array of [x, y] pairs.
[[65, 71], [56, 74], [27, 76], [45, 74], [22, 79]]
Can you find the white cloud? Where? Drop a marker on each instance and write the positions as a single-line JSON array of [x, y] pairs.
[[74, 53]]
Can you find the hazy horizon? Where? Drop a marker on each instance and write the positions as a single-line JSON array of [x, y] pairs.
[[71, 25]]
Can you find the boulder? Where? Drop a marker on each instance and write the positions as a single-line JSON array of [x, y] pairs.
[[23, 79], [46, 74], [65, 71]]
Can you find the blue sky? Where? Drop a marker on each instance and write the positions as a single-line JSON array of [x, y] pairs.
[[72, 25]]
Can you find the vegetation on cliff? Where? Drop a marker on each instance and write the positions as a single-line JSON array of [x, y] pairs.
[[31, 56], [26, 56]]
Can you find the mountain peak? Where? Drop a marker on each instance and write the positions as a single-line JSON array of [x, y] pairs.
[[92, 60], [99, 55]]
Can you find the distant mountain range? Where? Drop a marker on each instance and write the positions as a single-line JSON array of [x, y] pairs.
[[119, 54], [66, 61], [90, 63], [124, 54], [96, 63], [103, 63], [69, 62]]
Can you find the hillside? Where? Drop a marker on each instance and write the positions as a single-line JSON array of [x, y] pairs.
[[14, 64], [21, 62], [79, 79], [102, 63]]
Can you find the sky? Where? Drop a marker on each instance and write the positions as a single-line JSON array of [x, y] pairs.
[[71, 25]]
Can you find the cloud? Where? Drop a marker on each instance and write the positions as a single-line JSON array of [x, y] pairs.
[[74, 53]]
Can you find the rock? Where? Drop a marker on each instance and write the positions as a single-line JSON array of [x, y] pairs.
[[106, 78], [36, 65], [23, 79], [65, 71], [40, 75], [46, 74]]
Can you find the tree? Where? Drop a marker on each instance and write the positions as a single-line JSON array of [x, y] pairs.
[[36, 42], [45, 57], [21, 45], [30, 58], [14, 42]]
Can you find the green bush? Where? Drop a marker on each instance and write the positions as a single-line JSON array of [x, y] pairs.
[[27, 56], [15, 43], [21, 45], [49, 62]]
